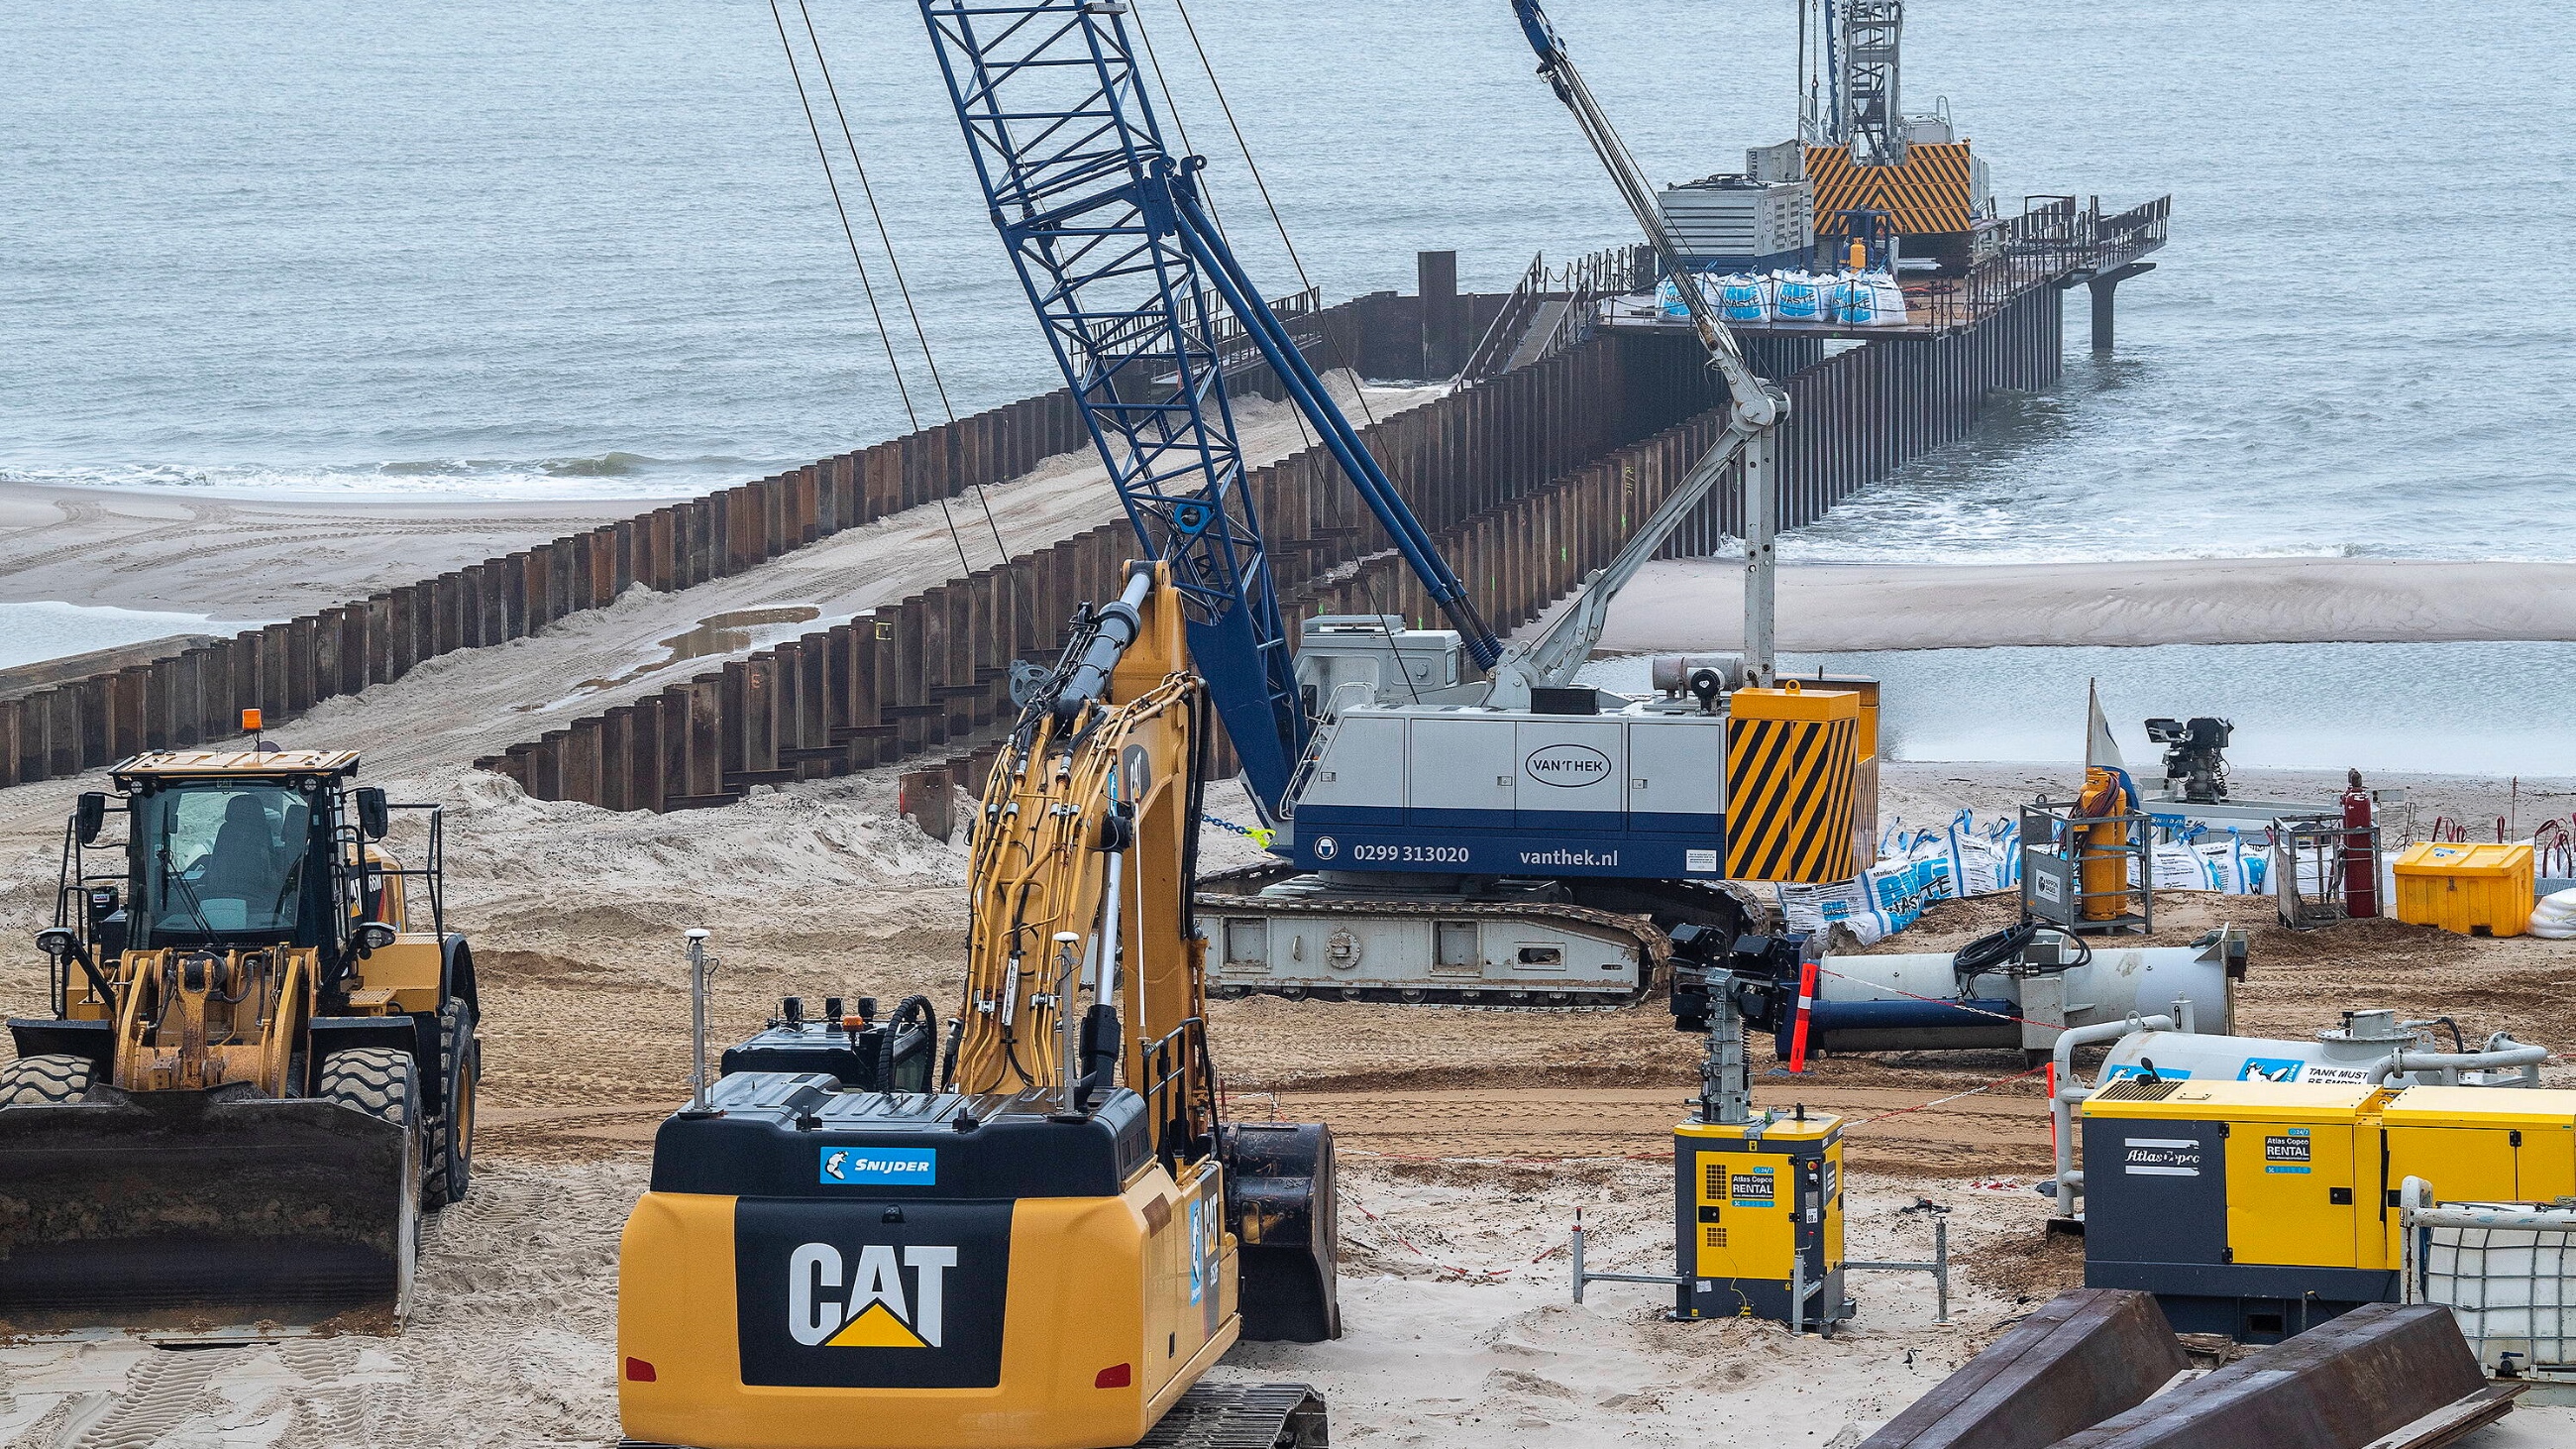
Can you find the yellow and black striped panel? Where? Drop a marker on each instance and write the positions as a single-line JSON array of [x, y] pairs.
[[1928, 193], [1789, 799]]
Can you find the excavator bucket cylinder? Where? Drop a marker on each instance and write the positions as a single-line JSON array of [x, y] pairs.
[[203, 1215]]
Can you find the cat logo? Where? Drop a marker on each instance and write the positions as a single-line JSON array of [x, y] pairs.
[[876, 1310]]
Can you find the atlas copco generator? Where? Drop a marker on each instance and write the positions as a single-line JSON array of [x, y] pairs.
[[2258, 1209]]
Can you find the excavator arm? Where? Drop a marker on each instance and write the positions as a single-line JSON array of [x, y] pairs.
[[1758, 408], [1079, 879]]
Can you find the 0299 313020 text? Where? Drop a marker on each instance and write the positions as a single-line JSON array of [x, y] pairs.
[[1412, 854]]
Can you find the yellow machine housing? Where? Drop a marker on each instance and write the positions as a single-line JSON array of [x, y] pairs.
[[1051, 1249], [1760, 1209], [2257, 1209], [258, 1068]]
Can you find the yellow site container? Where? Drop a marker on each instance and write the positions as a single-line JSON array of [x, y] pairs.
[[2475, 890]]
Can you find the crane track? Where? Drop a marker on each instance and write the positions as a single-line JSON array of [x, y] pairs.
[[1681, 899]]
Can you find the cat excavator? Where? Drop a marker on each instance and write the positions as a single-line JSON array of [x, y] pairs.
[[260, 1063], [1052, 1247]]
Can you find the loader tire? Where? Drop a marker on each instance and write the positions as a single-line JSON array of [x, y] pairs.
[[450, 1172], [31, 1081], [378, 1081]]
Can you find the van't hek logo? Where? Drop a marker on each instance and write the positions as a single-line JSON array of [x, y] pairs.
[[832, 1305], [1569, 766]]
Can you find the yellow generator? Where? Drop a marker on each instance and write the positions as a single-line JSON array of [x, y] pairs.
[[1049, 1243], [260, 1062], [1760, 1211], [2257, 1209]]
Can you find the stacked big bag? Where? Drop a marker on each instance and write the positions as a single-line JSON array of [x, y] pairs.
[[1917, 867], [1849, 299]]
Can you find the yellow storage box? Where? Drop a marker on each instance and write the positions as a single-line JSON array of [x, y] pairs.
[[2475, 890]]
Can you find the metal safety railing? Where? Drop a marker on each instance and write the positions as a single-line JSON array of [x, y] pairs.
[[2507, 1272], [1174, 1064], [1580, 285], [1799, 1290], [1502, 336], [2059, 844]]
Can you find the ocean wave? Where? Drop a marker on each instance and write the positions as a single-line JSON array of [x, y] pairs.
[[612, 474]]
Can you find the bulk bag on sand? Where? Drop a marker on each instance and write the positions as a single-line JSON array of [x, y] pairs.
[[2554, 919]]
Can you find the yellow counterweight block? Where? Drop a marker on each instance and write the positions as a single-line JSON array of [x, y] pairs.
[[849, 1323], [1792, 756]]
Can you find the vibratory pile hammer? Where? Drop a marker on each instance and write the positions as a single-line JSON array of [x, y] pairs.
[[260, 1065]]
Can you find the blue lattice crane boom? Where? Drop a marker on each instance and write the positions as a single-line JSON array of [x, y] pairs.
[[1128, 273]]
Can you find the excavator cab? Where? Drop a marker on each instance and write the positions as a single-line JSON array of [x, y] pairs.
[[257, 1071]]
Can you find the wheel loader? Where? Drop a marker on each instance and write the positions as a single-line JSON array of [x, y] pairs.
[[1050, 1242], [260, 1065]]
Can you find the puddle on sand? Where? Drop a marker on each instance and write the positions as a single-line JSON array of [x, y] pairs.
[[715, 634]]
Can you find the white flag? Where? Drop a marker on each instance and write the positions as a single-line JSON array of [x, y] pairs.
[[2100, 750]]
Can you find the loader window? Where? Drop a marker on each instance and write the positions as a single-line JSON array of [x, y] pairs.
[[214, 859]]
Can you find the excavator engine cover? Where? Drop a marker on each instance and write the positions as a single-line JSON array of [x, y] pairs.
[[221, 1214]]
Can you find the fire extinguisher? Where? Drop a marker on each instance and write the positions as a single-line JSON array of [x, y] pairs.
[[2360, 868]]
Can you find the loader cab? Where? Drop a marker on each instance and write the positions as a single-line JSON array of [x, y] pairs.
[[233, 850], [231, 862]]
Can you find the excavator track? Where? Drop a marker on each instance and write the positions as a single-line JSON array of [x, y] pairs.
[[1241, 1416], [1237, 893]]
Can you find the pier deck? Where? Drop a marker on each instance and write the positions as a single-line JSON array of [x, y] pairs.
[[2057, 245]]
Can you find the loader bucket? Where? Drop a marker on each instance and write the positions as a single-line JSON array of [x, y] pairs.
[[179, 1215]]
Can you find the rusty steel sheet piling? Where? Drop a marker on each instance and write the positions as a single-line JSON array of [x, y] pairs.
[[2346, 1384], [2080, 1358]]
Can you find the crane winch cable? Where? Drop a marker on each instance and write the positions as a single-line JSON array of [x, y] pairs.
[[903, 287], [1172, 104], [1357, 390], [866, 284]]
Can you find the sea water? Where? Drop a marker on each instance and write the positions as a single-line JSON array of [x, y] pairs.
[[2482, 708], [503, 250], [33, 632], [561, 250]]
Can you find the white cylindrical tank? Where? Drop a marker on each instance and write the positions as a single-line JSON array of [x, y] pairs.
[[2339, 1054], [2116, 984]]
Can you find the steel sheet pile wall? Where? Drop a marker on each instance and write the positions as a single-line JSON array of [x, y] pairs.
[[195, 697], [1856, 417], [929, 676]]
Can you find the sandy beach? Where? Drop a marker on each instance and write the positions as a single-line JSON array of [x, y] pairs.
[[1468, 1138], [262, 557], [1828, 608]]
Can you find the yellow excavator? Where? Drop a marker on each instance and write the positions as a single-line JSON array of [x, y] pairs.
[[1051, 1249], [260, 1064]]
